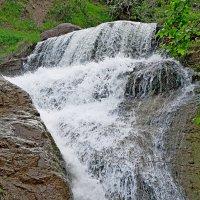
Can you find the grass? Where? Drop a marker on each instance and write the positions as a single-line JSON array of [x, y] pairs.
[[84, 13], [97, 13], [11, 40], [13, 15], [16, 30]]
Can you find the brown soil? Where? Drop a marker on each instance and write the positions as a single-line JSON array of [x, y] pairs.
[[38, 10]]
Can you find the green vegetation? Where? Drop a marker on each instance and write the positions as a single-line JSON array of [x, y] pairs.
[[197, 119], [16, 29], [12, 40], [2, 191], [146, 10], [180, 26], [83, 13], [139, 10], [13, 14]]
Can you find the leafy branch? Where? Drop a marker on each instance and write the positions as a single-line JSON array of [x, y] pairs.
[[178, 30]]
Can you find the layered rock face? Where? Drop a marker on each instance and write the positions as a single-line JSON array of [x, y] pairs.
[[30, 164], [183, 143], [12, 65]]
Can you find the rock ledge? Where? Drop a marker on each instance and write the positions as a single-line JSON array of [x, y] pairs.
[[30, 163]]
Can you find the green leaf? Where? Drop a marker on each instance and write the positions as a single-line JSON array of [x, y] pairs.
[[178, 28], [197, 120]]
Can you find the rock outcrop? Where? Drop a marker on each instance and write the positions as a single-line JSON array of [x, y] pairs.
[[12, 65], [31, 167], [161, 77], [183, 143], [61, 29]]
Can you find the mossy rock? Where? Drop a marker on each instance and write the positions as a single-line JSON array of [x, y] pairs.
[[192, 60]]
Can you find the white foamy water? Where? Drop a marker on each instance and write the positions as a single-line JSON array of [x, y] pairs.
[[91, 99], [130, 39]]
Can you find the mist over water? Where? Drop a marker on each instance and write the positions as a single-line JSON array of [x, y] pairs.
[[108, 102]]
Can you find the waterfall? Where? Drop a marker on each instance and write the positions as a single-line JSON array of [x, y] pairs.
[[94, 44], [108, 101]]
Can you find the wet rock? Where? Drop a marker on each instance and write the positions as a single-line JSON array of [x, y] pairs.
[[59, 30], [12, 64], [184, 134], [30, 164], [162, 77], [196, 76]]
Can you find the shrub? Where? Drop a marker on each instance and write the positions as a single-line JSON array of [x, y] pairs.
[[180, 29]]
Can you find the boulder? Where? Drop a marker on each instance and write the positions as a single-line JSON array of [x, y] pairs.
[[162, 77], [61, 29], [31, 166]]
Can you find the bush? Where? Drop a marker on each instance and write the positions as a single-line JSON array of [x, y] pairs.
[[139, 10], [180, 30]]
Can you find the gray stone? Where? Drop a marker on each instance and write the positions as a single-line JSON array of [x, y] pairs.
[[61, 29], [31, 166]]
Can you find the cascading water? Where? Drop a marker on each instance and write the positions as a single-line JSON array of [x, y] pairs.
[[108, 103], [94, 44]]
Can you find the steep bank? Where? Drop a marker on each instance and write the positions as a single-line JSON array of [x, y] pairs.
[[185, 148], [30, 164]]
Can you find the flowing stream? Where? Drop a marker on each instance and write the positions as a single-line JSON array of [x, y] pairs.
[[108, 101]]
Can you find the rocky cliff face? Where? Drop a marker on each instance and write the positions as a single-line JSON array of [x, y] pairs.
[[12, 65], [30, 164], [183, 144]]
